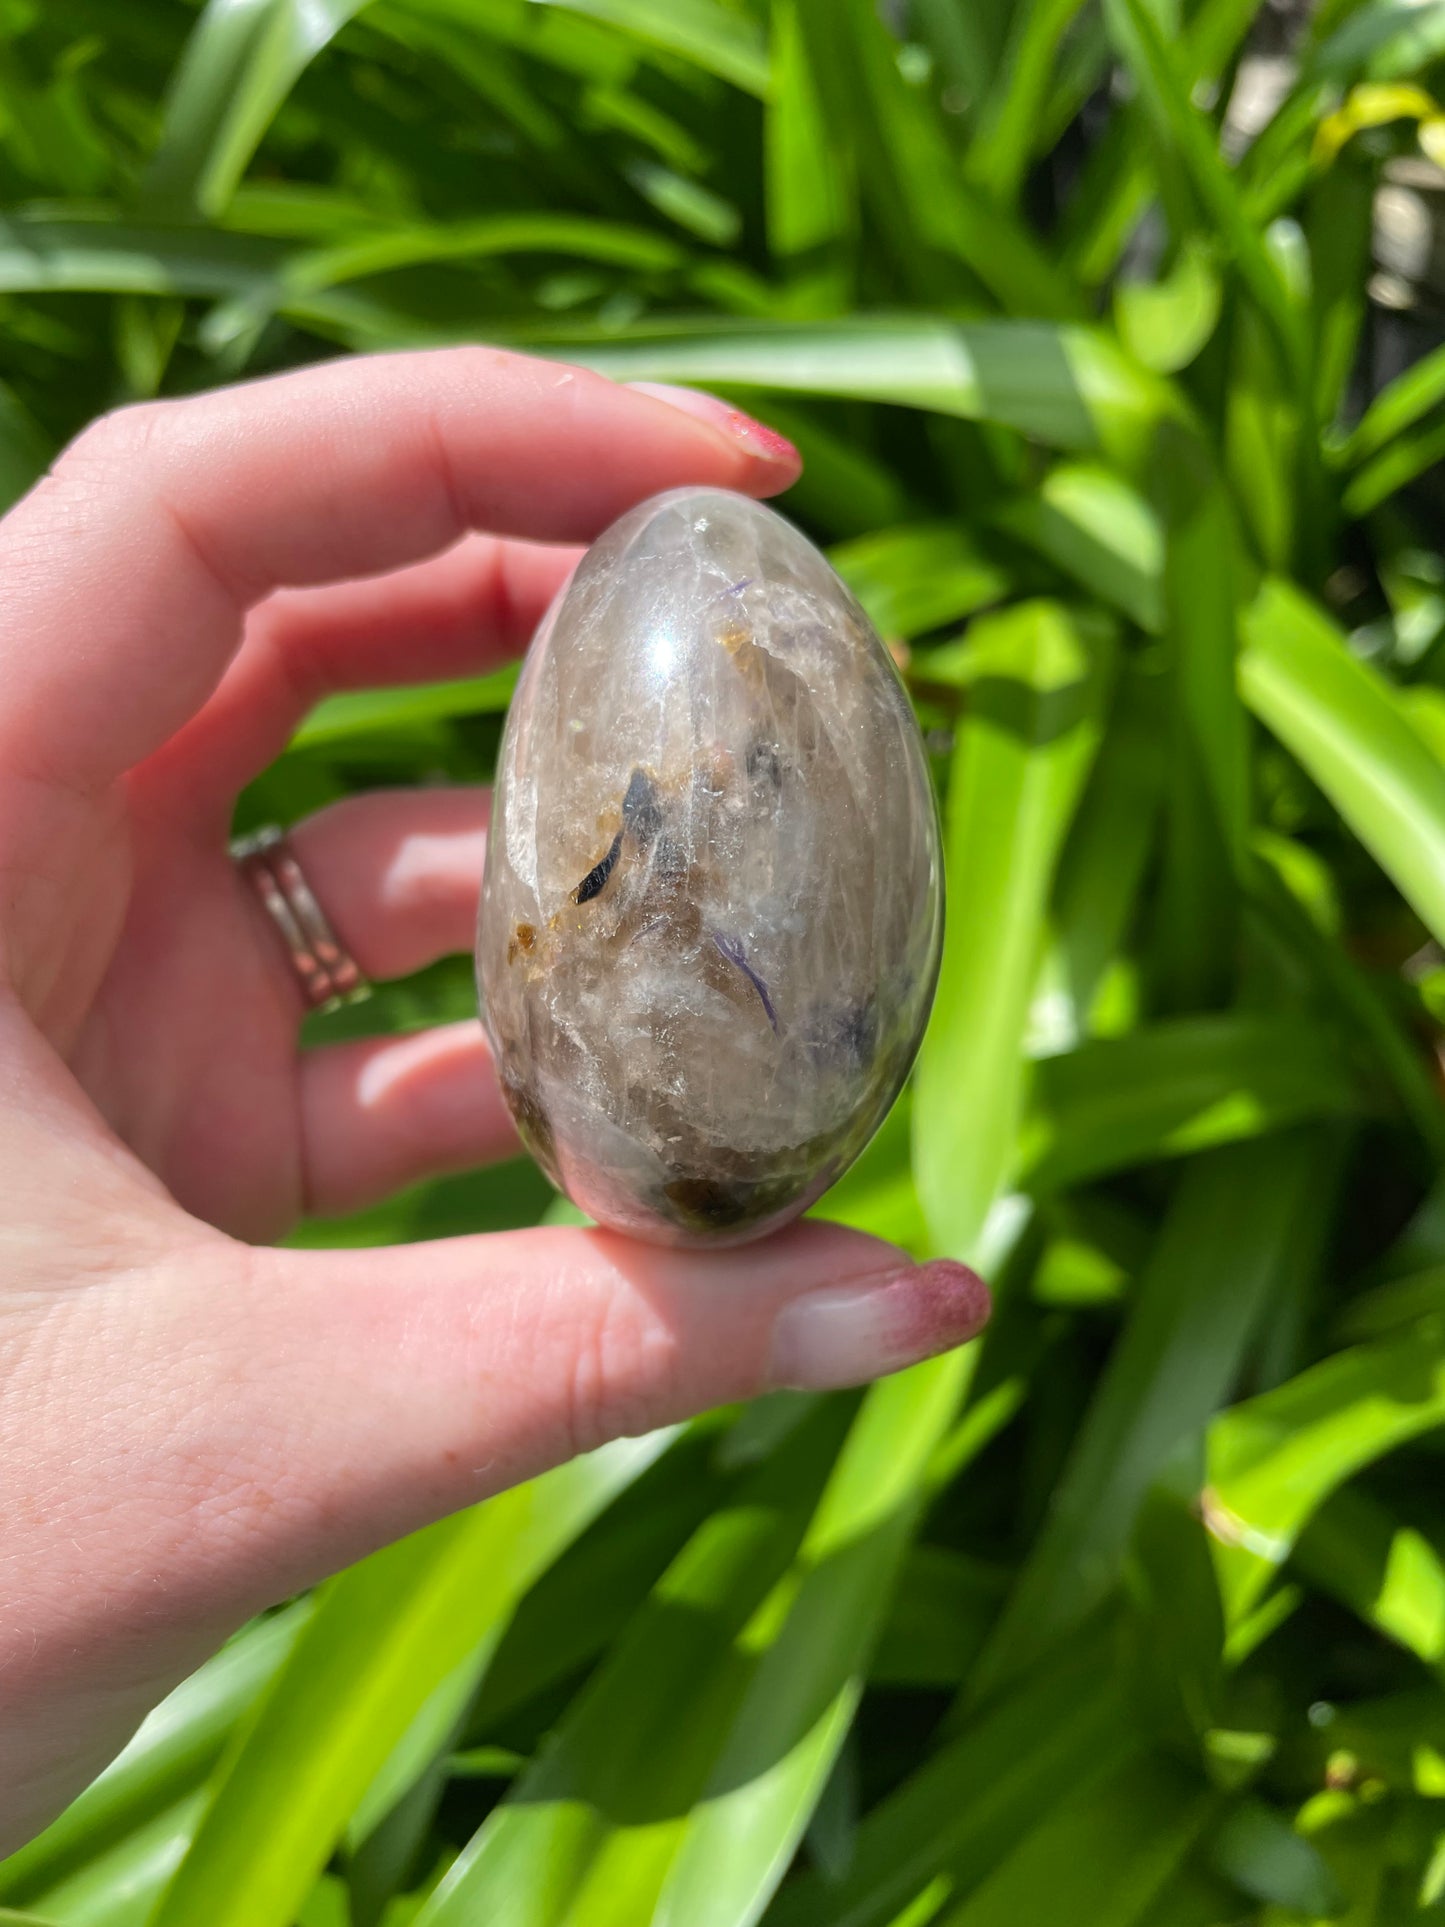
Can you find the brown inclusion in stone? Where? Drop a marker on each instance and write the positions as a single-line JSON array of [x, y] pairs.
[[715, 826]]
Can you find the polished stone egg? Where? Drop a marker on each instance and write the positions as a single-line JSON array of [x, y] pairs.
[[713, 902]]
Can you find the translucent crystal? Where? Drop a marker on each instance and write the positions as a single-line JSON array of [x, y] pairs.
[[712, 908]]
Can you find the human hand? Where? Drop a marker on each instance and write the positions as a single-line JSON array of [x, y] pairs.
[[193, 1425]]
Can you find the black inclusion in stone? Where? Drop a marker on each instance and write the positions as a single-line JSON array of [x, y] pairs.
[[595, 881], [764, 764], [710, 1204], [841, 1035], [641, 811]]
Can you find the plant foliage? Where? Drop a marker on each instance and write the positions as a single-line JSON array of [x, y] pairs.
[[1133, 1613]]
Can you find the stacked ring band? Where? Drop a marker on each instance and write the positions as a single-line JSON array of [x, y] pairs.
[[328, 974]]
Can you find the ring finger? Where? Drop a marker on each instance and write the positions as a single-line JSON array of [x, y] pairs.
[[398, 874]]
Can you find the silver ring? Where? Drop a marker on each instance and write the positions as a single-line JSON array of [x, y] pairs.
[[328, 974]]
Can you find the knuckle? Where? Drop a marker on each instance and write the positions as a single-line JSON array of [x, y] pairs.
[[623, 1375], [121, 436]]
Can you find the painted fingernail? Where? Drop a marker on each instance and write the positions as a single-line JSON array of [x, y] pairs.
[[756, 437], [847, 1334]]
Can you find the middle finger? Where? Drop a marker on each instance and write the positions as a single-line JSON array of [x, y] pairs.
[[459, 614]]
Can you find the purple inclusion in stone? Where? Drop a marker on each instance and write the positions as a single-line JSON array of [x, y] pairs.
[[735, 954]]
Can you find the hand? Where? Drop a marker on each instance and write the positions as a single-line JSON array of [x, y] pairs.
[[193, 1425]]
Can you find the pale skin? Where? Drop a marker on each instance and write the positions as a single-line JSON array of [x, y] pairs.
[[193, 1423]]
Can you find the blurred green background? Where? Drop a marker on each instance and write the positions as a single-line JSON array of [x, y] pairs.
[[1110, 331]]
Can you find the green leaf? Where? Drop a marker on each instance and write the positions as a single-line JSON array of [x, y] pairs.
[[174, 1750], [241, 61], [976, 1798], [1338, 228], [1262, 429], [720, 40], [1111, 1849], [1382, 40], [1388, 1573], [811, 211], [1094, 526], [1009, 119], [121, 1885], [914, 579], [1397, 1302], [1259, 1851], [1276, 1458], [1102, 867], [1069, 386], [1188, 138], [1164, 324], [588, 1831], [1020, 762], [1409, 455], [24, 451], [1343, 722], [930, 213], [796, 1710], [1242, 1220], [309, 273], [40, 253], [1123, 172], [936, 1621], [1396, 408], [370, 712], [580, 1604], [1174, 1088], [1379, 1025], [1205, 840], [384, 1637]]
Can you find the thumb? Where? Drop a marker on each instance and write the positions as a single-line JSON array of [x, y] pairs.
[[383, 1388], [219, 1426]]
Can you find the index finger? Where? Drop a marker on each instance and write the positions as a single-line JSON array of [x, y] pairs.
[[127, 571]]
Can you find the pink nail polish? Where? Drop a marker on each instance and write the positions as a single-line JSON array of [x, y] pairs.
[[755, 436], [767, 441], [847, 1334]]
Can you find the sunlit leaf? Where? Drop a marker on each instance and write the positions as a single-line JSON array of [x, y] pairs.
[[1020, 763], [1343, 723], [1276, 1458], [1179, 1087], [914, 579], [1165, 323], [174, 1750], [385, 1636], [793, 1716], [1067, 385], [720, 39], [241, 61]]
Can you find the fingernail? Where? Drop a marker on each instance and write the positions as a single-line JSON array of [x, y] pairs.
[[847, 1334], [756, 437]]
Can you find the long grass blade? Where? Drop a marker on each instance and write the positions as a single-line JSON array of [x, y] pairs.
[[1343, 722], [240, 63], [1276, 1458], [1038, 696], [384, 1638], [1241, 1220]]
